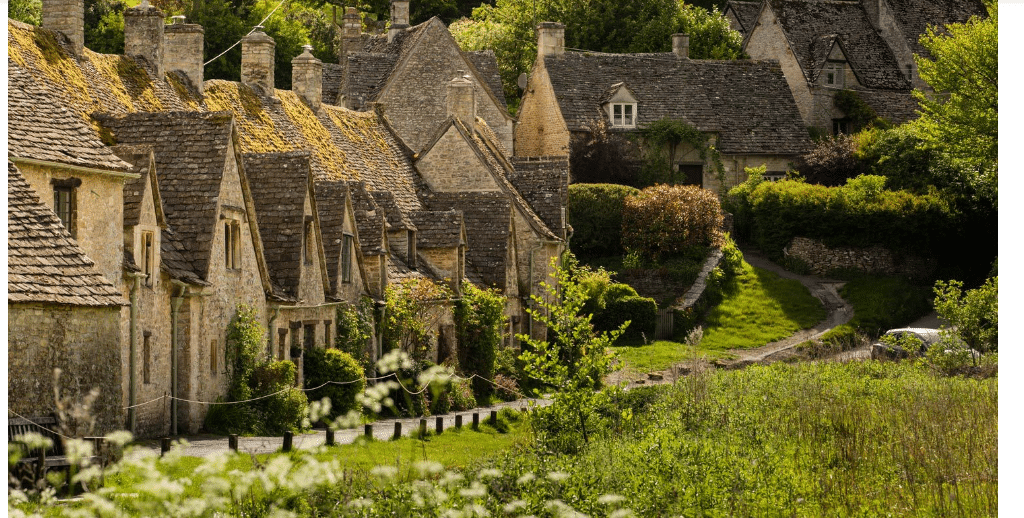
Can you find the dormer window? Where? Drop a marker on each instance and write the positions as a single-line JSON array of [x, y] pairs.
[[623, 115], [833, 73]]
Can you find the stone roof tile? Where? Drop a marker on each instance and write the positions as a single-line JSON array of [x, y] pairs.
[[915, 16], [437, 229], [44, 263], [331, 197], [746, 13], [712, 95], [487, 217], [486, 63]]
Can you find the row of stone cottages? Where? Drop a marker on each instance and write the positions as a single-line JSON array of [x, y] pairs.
[[146, 204], [190, 196]]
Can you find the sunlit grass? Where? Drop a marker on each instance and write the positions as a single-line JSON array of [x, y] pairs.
[[761, 307], [661, 355]]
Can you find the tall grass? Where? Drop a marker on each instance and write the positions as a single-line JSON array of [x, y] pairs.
[[883, 303]]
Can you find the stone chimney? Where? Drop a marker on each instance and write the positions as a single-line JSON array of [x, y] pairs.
[[462, 98], [399, 18], [351, 33], [183, 49], [681, 45], [550, 39], [307, 77], [144, 35], [68, 17], [258, 60]]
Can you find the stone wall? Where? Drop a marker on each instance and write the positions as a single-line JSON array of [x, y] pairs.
[[541, 130], [767, 41], [83, 342], [822, 259], [452, 165]]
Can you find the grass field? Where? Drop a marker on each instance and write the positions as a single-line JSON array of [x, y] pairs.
[[661, 355], [760, 308]]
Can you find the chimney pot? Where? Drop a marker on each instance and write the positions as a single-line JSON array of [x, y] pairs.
[[183, 50], [399, 18], [68, 17], [550, 39], [258, 60], [681, 45], [144, 35], [307, 77]]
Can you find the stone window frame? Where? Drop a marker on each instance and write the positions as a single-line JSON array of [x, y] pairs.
[[232, 244], [347, 243], [65, 202], [841, 126], [214, 351], [308, 241], [833, 74], [411, 248], [147, 256], [619, 120]]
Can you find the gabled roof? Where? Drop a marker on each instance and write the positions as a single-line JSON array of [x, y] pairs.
[[190, 149], [712, 95], [487, 217], [895, 106], [39, 127], [143, 163], [811, 25], [397, 219], [438, 229], [280, 183], [486, 63], [44, 263], [330, 82], [746, 13], [368, 73], [915, 16], [334, 205], [370, 220], [544, 184]]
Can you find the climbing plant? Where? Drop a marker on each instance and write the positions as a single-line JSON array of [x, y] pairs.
[[662, 138]]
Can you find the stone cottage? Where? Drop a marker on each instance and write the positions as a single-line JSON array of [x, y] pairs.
[[742, 15], [743, 106], [863, 46], [188, 233]]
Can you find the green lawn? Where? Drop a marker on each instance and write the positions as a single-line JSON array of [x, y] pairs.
[[661, 355], [760, 308]]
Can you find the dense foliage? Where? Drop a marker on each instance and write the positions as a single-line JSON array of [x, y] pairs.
[[832, 162], [881, 303], [602, 156], [861, 213], [480, 324], [337, 374], [664, 220], [972, 314], [595, 213], [413, 309], [354, 330], [253, 376], [661, 141], [508, 27]]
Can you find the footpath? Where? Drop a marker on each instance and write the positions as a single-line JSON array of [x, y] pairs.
[[383, 430]]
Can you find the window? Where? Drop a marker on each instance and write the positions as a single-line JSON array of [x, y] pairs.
[[309, 244], [833, 74], [411, 248], [346, 259], [146, 356], [840, 126], [910, 72], [282, 341], [623, 115], [308, 336], [232, 244], [147, 257], [327, 334], [213, 357], [65, 202]]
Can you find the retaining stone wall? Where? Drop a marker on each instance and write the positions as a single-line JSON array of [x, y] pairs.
[[822, 259]]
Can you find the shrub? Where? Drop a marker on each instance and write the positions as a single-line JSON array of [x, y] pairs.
[[601, 156], [973, 314], [883, 303], [831, 162], [642, 312], [595, 213], [321, 366], [666, 220], [460, 395], [480, 321], [354, 329], [506, 388]]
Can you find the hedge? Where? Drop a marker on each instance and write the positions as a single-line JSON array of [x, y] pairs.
[[859, 214], [595, 213], [666, 220], [324, 365], [641, 311]]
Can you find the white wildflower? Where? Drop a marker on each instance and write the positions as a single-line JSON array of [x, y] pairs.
[[450, 478], [557, 476], [622, 513], [360, 503], [489, 473], [384, 472], [514, 506], [119, 438], [526, 479], [475, 490], [610, 499], [428, 468]]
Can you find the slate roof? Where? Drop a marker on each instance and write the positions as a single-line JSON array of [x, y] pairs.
[[396, 218], [915, 16], [370, 220], [135, 188], [191, 151], [748, 102], [486, 63], [487, 217], [895, 106], [279, 183], [544, 184], [331, 197], [812, 26], [746, 13], [398, 271], [41, 128], [438, 229], [331, 82], [44, 263]]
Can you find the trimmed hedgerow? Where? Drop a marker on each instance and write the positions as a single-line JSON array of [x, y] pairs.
[[332, 365], [595, 213], [642, 312], [666, 220], [861, 213]]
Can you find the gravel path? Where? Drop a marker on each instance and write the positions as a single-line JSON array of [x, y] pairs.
[[207, 445]]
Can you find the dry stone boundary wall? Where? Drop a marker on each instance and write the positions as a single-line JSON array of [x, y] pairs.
[[822, 259]]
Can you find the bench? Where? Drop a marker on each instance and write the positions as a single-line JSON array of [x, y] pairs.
[[35, 464]]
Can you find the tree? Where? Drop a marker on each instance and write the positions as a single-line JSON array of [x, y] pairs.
[[572, 361], [28, 11], [973, 315], [961, 119], [832, 161]]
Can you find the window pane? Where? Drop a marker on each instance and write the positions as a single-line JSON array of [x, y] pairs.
[[629, 114], [346, 259]]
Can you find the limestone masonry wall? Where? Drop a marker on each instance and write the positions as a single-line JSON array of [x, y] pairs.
[[876, 259]]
